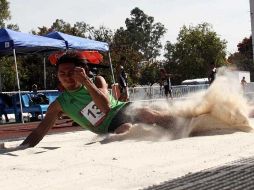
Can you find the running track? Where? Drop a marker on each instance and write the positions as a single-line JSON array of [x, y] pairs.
[[19, 130]]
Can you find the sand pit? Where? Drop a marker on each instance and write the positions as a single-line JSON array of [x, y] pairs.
[[78, 160]]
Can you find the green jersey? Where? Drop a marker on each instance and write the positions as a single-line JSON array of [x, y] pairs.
[[80, 107]]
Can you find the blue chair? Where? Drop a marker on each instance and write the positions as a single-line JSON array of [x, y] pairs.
[[27, 107], [34, 108], [52, 96]]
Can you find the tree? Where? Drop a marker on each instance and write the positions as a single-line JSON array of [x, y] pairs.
[[4, 12], [139, 43], [144, 35], [103, 34], [149, 74], [7, 72], [197, 48], [121, 48], [80, 29], [245, 47], [243, 58]]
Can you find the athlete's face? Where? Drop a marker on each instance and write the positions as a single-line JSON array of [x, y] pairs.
[[65, 75]]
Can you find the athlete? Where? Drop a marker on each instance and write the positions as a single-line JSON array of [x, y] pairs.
[[88, 103]]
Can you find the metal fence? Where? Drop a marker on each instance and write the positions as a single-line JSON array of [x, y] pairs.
[[156, 92], [180, 91]]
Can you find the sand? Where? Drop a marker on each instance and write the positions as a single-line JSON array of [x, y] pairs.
[[73, 161]]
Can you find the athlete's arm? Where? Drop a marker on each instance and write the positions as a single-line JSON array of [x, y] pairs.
[[101, 84], [36, 136], [98, 91]]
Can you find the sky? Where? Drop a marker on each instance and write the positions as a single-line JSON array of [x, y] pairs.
[[230, 18]]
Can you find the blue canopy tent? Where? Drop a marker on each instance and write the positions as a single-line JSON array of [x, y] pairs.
[[13, 42], [74, 42]]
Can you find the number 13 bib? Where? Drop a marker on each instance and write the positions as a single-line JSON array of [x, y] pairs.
[[93, 114]]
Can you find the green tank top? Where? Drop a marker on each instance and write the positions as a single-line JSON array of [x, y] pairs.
[[79, 106]]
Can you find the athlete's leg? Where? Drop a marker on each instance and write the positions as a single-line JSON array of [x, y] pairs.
[[150, 116], [123, 128], [122, 122]]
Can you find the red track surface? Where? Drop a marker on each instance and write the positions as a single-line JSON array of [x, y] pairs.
[[18, 130]]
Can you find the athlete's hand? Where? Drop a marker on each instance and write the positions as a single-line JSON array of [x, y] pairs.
[[80, 74], [5, 148]]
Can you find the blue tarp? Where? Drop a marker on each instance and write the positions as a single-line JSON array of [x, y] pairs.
[[74, 42], [26, 43]]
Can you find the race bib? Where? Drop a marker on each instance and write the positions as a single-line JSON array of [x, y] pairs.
[[93, 114]]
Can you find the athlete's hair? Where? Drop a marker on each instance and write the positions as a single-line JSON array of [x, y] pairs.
[[72, 57]]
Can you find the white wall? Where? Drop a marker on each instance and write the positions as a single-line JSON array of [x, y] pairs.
[[242, 74]]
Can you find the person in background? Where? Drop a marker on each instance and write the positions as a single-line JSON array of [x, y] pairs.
[[37, 98], [35, 88], [5, 101], [34, 94], [122, 81], [166, 83], [212, 75], [243, 83]]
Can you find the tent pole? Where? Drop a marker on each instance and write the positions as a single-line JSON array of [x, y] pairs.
[[17, 77], [111, 67], [44, 72]]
